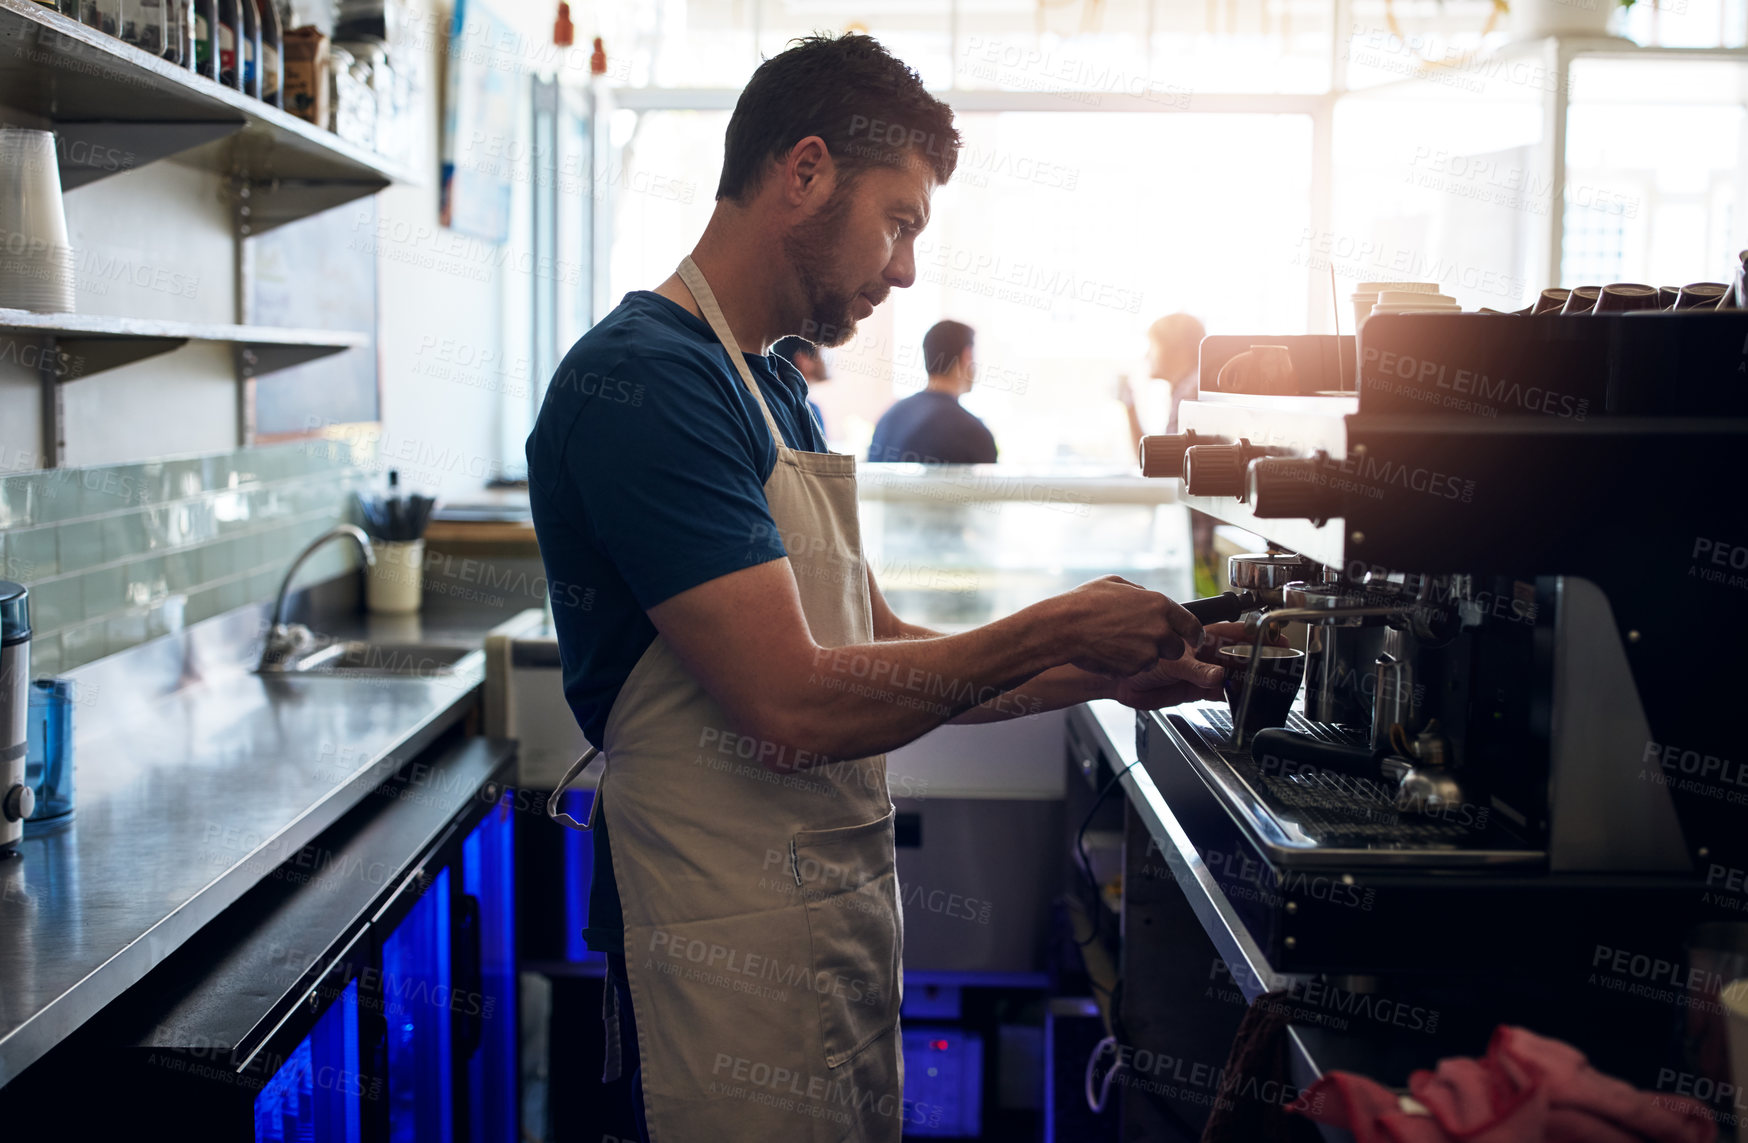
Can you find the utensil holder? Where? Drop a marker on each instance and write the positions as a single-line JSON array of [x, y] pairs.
[[393, 584]]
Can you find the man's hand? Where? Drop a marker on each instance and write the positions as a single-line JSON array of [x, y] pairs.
[[1120, 629], [1191, 677]]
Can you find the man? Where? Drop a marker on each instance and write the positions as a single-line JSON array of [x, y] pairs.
[[729, 649], [809, 361], [931, 427]]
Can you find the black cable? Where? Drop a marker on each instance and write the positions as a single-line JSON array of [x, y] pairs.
[[1085, 865]]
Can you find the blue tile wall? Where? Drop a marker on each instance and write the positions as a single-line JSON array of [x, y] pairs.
[[118, 554]]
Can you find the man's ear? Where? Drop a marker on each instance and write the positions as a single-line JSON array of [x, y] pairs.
[[808, 170]]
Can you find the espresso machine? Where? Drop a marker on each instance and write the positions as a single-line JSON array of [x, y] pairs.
[[1517, 551]]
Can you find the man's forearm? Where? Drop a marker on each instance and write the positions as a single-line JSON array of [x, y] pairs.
[[870, 697], [1051, 690]]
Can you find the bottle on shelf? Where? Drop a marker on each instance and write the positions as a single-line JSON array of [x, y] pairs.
[[206, 52], [272, 54], [177, 31], [142, 24], [89, 14], [250, 48], [230, 43], [109, 17]]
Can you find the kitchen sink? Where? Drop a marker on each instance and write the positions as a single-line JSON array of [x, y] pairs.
[[360, 659]]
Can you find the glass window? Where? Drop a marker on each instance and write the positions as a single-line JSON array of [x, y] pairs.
[[1059, 240], [1161, 51], [1440, 182], [1653, 151]]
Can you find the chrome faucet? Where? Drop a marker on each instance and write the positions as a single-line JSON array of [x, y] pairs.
[[283, 640]]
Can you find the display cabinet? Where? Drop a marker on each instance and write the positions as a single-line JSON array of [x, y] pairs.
[[955, 546]]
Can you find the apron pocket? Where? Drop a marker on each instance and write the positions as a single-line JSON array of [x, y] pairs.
[[850, 889]]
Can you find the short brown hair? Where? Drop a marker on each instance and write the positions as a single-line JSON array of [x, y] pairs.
[[943, 344], [869, 107]]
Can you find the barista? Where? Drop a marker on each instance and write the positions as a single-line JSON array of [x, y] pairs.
[[708, 586]]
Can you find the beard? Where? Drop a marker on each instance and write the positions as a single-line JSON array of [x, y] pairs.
[[812, 249]]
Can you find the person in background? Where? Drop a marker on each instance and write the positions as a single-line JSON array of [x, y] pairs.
[[809, 361], [931, 426], [1174, 345]]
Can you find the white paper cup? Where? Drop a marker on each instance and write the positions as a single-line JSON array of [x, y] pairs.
[[36, 264], [392, 584], [1380, 287], [1413, 297], [1362, 307]]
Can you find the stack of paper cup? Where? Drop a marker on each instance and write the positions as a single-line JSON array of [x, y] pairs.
[[1413, 302], [1365, 296], [36, 263]]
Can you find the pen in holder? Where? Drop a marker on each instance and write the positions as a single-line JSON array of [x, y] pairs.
[[396, 526]]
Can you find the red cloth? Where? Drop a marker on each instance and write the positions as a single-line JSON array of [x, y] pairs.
[[1526, 1089]]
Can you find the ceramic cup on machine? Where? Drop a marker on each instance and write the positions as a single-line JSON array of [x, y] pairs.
[[1581, 300], [1551, 300], [1625, 297], [1701, 296], [1273, 679], [36, 263]]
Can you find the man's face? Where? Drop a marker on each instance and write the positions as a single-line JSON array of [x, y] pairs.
[[860, 244]]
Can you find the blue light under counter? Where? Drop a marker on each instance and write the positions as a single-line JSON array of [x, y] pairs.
[[488, 857], [417, 985], [315, 1095]]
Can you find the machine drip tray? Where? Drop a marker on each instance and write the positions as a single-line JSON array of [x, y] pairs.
[[1305, 814]]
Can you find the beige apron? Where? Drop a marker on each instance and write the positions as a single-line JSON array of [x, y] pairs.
[[762, 928]]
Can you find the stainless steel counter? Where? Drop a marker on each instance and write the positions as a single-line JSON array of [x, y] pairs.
[[194, 779]]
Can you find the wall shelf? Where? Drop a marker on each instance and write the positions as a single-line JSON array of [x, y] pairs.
[[115, 108], [89, 344]]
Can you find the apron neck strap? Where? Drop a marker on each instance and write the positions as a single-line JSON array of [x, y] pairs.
[[706, 299]]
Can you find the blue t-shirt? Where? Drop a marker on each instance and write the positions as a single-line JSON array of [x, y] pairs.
[[931, 428], [646, 475]]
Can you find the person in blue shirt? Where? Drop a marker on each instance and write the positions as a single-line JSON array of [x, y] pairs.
[[728, 648], [931, 427], [809, 361]]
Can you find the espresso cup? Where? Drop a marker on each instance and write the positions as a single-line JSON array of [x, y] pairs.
[[1551, 300], [1274, 682], [1581, 300], [1701, 296], [1625, 297]]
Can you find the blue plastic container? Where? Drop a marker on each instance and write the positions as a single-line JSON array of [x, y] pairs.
[[48, 759]]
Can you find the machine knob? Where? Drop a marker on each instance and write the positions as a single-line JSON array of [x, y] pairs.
[[19, 803], [1215, 470], [1164, 455], [1291, 488]]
